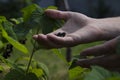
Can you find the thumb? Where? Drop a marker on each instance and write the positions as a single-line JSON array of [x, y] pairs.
[[56, 14]]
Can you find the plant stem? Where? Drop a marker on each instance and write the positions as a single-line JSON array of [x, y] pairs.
[[34, 44], [31, 57]]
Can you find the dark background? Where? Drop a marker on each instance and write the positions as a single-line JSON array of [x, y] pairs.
[[92, 8]]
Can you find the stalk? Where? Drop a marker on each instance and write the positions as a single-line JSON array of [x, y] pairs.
[[31, 56], [29, 63]]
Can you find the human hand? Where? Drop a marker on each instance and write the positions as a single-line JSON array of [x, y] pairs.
[[78, 28], [105, 56]]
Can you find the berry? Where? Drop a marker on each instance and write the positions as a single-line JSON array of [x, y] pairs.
[[61, 34]]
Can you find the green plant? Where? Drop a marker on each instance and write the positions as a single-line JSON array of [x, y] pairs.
[[13, 34]]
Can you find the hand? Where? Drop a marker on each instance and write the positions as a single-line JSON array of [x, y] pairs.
[[105, 56], [79, 28]]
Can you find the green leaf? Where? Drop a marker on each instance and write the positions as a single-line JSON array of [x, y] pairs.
[[48, 24], [2, 19], [21, 30], [31, 16], [52, 7], [59, 54], [3, 60], [76, 73], [114, 78], [27, 11], [44, 68], [22, 59], [1, 68], [30, 76], [38, 72], [14, 75], [39, 20], [17, 21], [19, 74], [73, 64], [1, 44], [15, 43], [9, 29], [98, 73]]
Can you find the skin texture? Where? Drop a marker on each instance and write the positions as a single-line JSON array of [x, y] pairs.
[[81, 29]]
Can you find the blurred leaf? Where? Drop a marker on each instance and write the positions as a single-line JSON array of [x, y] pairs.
[[73, 64], [99, 73], [1, 44], [59, 54], [22, 59], [3, 60], [76, 73], [15, 43], [27, 11], [2, 19], [114, 78], [38, 72], [16, 74], [36, 19], [17, 21], [1, 68], [9, 29], [48, 24], [52, 7], [21, 30], [40, 20], [44, 68], [116, 74], [32, 22], [30, 76]]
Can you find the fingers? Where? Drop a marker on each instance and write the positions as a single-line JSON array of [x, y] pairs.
[[64, 41], [53, 41], [108, 47], [58, 14], [42, 40], [109, 62]]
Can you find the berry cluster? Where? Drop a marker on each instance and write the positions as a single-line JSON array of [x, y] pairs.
[[7, 51]]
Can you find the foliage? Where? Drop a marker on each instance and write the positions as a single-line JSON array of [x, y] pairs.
[[96, 73], [99, 73], [13, 35], [11, 8]]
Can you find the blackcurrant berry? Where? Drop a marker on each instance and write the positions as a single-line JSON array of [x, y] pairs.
[[61, 34]]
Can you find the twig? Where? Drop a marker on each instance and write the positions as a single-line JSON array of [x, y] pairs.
[[29, 63], [31, 57]]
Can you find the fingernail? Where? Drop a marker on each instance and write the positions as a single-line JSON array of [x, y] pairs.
[[35, 36]]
